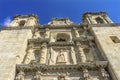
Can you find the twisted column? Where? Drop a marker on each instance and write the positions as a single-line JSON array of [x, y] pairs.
[[43, 53]]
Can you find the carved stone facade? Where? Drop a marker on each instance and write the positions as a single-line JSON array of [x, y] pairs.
[[61, 50]]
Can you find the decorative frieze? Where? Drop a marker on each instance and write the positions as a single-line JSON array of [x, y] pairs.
[[61, 44]]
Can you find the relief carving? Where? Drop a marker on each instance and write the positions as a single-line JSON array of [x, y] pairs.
[[104, 74], [43, 53], [86, 74], [61, 77], [81, 52], [36, 34], [30, 52], [38, 76], [61, 57], [20, 76]]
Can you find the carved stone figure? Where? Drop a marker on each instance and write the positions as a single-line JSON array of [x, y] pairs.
[[81, 52], [61, 57], [38, 75], [86, 74], [104, 74], [61, 77], [20, 76]]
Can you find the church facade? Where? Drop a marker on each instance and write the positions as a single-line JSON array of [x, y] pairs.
[[61, 49]]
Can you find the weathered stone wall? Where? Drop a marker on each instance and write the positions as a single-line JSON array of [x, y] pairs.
[[109, 49], [13, 44]]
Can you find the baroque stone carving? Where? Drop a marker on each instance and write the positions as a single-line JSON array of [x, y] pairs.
[[86, 74], [43, 53], [38, 76], [61, 77], [29, 54], [20, 76], [61, 57], [104, 74], [81, 52]]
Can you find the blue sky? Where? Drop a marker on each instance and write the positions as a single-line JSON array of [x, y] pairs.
[[47, 9]]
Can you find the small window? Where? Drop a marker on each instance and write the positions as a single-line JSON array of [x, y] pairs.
[[115, 39], [99, 20], [22, 23]]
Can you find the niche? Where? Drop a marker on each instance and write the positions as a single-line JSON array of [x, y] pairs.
[[22, 23], [63, 37]]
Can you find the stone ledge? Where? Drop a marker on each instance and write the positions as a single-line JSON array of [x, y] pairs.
[[61, 44], [105, 25], [16, 28], [43, 67]]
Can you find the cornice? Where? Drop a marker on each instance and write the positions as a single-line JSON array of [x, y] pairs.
[[61, 44], [43, 67], [105, 25], [17, 28], [38, 40]]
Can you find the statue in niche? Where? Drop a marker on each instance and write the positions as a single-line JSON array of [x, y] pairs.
[[61, 57]]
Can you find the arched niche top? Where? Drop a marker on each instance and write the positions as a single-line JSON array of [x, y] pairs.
[[61, 37]]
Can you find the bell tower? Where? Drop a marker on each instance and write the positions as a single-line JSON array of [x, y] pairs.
[[96, 18], [24, 20], [107, 37]]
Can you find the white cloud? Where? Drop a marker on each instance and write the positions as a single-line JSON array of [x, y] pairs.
[[6, 22]]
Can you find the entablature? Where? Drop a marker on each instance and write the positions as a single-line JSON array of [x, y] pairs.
[[43, 67]]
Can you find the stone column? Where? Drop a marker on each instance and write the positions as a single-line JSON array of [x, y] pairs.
[[104, 74], [76, 32], [86, 75], [43, 53], [47, 33], [20, 76], [81, 52], [29, 54]]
